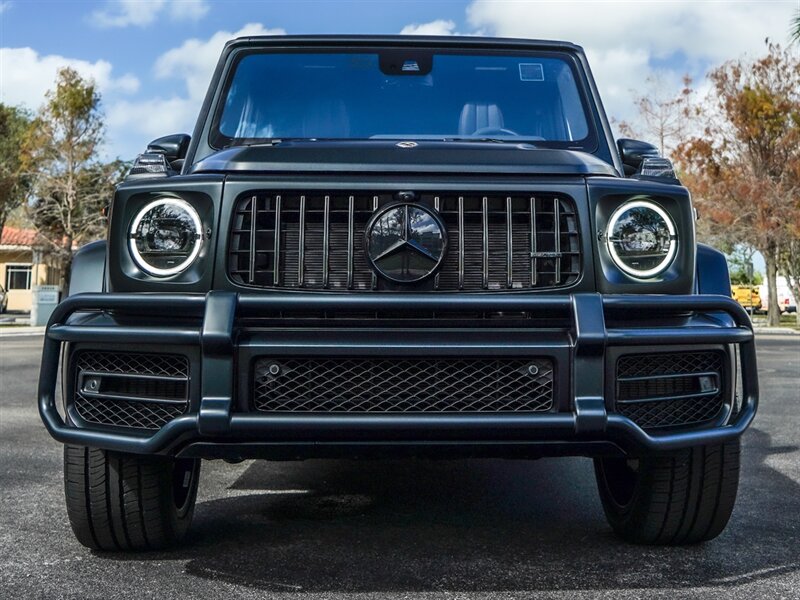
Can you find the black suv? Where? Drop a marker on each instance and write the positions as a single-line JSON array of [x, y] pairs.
[[399, 246]]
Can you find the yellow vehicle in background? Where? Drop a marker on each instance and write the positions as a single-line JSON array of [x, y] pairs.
[[748, 296]]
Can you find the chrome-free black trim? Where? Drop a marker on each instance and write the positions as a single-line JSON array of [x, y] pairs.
[[215, 316]]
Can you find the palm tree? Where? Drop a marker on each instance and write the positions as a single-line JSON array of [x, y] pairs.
[[796, 27]]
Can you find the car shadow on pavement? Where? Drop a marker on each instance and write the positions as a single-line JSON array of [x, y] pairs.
[[493, 525]]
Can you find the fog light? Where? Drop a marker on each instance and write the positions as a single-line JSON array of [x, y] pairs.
[[91, 384]]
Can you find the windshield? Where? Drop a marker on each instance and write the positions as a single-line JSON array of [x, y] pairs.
[[403, 94]]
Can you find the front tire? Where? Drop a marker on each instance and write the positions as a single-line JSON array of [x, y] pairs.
[[682, 498], [124, 502]]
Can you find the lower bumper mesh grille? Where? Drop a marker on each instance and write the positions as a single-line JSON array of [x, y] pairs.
[[356, 385], [142, 391], [139, 415], [671, 389]]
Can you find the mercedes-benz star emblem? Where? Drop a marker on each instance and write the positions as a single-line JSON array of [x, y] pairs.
[[405, 242]]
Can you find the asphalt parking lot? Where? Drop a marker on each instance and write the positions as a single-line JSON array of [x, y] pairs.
[[410, 529]]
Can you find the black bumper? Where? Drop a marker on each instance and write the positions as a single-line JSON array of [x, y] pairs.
[[599, 324]]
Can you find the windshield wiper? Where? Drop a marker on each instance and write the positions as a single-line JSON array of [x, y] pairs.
[[493, 140], [237, 143], [486, 139]]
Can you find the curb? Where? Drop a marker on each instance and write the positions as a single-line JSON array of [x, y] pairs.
[[20, 331], [775, 331]]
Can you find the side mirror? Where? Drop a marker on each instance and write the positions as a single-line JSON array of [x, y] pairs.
[[633, 152], [173, 147], [163, 158]]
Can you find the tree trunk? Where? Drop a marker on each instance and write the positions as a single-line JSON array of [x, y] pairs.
[[65, 264], [794, 287], [774, 312], [63, 283]]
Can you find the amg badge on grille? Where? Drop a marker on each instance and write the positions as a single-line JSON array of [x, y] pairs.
[[405, 243]]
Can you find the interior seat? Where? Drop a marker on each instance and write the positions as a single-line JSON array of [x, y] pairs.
[[479, 115]]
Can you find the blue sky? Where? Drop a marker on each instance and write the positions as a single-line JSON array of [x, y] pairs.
[[152, 59]]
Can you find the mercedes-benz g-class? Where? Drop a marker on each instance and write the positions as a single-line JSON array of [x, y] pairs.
[[399, 246]]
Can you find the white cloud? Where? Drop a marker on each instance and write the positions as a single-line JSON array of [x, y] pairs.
[[131, 124], [152, 118], [140, 13], [188, 10], [127, 12], [708, 30], [25, 76], [437, 27], [195, 59], [626, 42]]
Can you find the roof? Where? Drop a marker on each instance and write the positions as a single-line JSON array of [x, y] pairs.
[[12, 236], [439, 41]]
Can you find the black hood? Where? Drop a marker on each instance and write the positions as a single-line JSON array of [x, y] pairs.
[[391, 156]]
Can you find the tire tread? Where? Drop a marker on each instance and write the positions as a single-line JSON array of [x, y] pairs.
[[122, 502], [683, 498]]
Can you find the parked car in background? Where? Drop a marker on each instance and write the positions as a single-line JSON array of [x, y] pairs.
[[786, 301], [748, 296]]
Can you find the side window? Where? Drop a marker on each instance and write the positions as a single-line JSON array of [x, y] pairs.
[[18, 277]]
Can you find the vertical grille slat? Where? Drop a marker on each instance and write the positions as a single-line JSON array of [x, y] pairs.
[[374, 276], [437, 207], [251, 270], [350, 233], [326, 231], [485, 224], [557, 235], [509, 245], [461, 242], [301, 243], [276, 259], [496, 241], [534, 270]]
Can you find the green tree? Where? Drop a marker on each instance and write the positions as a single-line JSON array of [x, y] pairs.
[[796, 38], [70, 185], [14, 185], [740, 264], [743, 169]]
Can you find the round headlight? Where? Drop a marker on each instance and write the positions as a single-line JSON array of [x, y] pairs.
[[641, 238], [166, 237]]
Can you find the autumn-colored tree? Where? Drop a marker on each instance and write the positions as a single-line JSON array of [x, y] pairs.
[[70, 185], [662, 114], [14, 185], [743, 169]]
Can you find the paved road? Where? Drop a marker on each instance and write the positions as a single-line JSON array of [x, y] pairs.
[[473, 529]]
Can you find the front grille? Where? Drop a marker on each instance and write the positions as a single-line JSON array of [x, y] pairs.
[[316, 241], [361, 385], [670, 389], [142, 391]]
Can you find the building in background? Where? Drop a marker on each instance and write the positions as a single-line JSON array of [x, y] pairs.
[[22, 267]]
